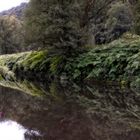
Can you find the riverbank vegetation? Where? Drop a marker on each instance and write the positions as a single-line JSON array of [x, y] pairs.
[[117, 61]]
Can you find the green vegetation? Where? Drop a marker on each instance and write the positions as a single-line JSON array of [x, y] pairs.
[[11, 35], [76, 42], [117, 61], [58, 29]]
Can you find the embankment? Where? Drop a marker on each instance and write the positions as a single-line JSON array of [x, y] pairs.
[[118, 61]]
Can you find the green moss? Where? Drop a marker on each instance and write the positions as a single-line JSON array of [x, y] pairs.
[[34, 60], [55, 62]]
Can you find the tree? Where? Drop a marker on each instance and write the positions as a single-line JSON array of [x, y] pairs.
[[55, 25], [67, 25], [94, 9], [107, 19], [10, 34], [94, 19], [119, 21]]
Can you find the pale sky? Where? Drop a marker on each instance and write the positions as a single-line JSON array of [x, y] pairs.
[[7, 4]]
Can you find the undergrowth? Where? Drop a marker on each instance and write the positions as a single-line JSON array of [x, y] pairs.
[[117, 61]]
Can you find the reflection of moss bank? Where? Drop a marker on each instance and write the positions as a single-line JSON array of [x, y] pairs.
[[24, 86], [104, 107], [34, 88]]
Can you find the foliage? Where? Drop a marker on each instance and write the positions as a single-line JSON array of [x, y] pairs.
[[34, 62], [116, 19], [66, 25], [11, 35], [30, 62], [120, 20], [109, 62], [55, 64], [117, 60], [54, 25]]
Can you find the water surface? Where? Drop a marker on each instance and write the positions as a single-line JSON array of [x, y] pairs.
[[54, 111]]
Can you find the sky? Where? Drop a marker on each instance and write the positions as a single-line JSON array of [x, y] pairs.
[[7, 4]]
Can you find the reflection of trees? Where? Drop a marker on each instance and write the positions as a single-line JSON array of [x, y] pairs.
[[56, 119], [117, 100], [67, 113]]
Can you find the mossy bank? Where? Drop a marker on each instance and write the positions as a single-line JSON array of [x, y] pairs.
[[117, 61]]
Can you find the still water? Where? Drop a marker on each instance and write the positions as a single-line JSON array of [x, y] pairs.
[[54, 111]]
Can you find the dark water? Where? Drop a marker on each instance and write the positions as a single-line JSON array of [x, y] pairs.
[[42, 111]]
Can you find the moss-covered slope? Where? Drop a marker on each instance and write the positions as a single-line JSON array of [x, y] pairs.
[[117, 61]]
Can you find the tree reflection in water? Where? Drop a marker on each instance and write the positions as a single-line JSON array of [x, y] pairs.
[[71, 113]]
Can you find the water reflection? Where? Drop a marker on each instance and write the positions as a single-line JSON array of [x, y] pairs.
[[10, 130], [57, 112]]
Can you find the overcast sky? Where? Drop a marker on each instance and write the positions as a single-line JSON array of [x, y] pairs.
[[7, 4]]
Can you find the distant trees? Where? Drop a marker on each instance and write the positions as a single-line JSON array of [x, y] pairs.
[[18, 11], [119, 21], [94, 10], [11, 36], [109, 19]]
